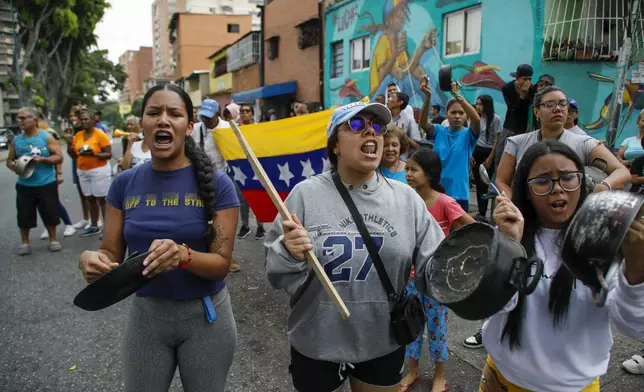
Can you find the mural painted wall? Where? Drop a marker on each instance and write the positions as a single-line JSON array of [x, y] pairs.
[[411, 31]]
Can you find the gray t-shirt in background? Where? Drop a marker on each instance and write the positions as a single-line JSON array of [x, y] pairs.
[[486, 139], [582, 145]]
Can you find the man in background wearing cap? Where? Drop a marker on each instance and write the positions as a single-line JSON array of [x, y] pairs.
[[518, 97], [397, 102], [572, 119], [203, 135]]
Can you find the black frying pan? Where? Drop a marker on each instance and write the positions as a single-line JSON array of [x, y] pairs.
[[114, 286]]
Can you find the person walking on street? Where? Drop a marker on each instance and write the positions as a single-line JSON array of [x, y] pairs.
[[39, 192], [93, 150], [62, 211], [247, 113], [184, 213]]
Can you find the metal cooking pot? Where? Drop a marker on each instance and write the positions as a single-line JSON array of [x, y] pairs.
[[477, 270], [595, 173], [591, 249], [85, 150], [25, 166], [445, 77]]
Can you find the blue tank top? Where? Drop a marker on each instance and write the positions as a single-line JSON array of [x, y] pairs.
[[35, 145]]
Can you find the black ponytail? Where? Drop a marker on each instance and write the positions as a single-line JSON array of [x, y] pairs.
[[201, 163]]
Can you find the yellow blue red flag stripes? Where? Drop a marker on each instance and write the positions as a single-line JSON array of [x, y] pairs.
[[289, 150]]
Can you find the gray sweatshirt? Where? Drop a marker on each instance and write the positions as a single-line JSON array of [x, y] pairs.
[[398, 221]]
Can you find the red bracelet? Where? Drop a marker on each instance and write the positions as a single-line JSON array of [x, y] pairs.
[[185, 264]]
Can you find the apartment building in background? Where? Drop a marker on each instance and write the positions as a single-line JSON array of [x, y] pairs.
[[194, 37], [138, 65], [292, 37], [162, 11], [9, 103]]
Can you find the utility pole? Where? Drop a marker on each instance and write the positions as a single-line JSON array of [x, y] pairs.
[[623, 61]]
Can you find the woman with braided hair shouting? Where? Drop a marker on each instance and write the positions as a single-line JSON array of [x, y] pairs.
[[178, 207]]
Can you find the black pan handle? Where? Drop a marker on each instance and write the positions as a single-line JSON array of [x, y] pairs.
[[526, 288], [521, 273]]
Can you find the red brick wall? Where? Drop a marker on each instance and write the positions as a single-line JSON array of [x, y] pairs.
[[246, 79], [292, 63]]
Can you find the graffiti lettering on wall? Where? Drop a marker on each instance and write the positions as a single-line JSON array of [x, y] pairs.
[[633, 100], [345, 18]]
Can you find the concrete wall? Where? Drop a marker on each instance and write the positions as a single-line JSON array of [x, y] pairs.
[[293, 63]]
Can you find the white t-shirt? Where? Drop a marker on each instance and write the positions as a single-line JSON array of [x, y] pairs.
[[210, 147], [576, 129], [567, 358], [138, 156], [582, 145]]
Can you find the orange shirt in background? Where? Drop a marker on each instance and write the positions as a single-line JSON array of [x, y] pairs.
[[97, 142]]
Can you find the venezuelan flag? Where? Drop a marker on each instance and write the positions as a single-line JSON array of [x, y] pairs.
[[290, 151]]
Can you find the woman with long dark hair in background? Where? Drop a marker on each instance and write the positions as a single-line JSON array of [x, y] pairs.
[[178, 207], [485, 147], [557, 339]]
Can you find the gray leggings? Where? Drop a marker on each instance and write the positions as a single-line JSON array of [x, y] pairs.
[[163, 333]]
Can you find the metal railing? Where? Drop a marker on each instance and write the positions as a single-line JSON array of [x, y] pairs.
[[587, 29]]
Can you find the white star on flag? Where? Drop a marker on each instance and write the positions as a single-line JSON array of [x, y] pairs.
[[285, 173], [239, 175], [307, 169], [325, 164]]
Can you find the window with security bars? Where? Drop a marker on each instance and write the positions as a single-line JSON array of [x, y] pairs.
[[337, 58], [590, 30]]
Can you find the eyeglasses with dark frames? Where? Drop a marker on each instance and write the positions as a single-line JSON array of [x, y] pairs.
[[542, 186]]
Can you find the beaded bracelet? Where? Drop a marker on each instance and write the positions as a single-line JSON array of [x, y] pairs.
[[185, 264]]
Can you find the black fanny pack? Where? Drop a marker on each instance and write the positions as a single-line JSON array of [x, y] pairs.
[[407, 315]]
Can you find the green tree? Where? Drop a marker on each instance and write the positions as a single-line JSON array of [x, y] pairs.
[[59, 68], [111, 114], [137, 107]]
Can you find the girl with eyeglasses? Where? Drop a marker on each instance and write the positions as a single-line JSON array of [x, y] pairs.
[[551, 108], [557, 339], [325, 349], [455, 143]]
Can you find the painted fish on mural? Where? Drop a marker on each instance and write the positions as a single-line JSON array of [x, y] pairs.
[[480, 75], [349, 90], [633, 100]]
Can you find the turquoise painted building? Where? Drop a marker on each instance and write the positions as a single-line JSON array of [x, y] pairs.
[[371, 43]]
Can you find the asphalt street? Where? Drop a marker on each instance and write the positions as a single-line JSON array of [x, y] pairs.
[[48, 344]]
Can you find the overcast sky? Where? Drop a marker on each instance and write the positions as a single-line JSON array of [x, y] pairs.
[[126, 25]]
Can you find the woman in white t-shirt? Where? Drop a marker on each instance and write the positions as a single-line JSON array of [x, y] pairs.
[[136, 153], [557, 339]]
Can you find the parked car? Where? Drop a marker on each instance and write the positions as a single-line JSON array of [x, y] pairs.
[[5, 138]]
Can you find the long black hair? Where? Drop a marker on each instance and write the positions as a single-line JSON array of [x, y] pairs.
[[201, 164], [563, 281], [488, 109], [429, 161]]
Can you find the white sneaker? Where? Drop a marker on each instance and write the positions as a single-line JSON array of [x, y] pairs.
[[100, 222], [87, 226], [69, 231], [44, 235], [80, 224]]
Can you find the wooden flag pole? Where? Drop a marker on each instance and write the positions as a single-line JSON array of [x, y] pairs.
[[286, 215]]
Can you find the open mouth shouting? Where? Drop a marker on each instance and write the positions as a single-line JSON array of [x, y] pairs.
[[369, 149], [559, 206], [163, 140]]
